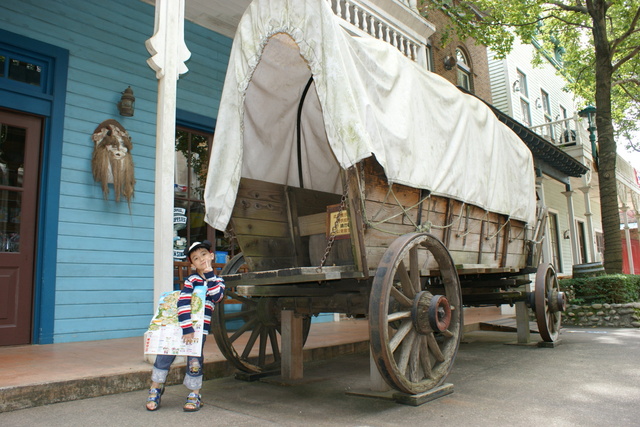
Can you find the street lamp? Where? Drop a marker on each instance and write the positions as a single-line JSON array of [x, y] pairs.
[[590, 113]]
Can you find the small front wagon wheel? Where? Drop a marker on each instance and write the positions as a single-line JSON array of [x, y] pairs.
[[249, 337], [549, 303], [415, 323]]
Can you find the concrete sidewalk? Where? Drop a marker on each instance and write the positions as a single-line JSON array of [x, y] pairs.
[[35, 375], [589, 380]]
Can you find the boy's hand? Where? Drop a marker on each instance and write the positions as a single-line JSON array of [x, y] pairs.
[[188, 339], [209, 266]]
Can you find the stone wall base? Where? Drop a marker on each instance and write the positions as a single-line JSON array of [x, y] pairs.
[[608, 315]]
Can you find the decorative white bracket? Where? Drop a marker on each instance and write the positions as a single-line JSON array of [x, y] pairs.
[[167, 46]]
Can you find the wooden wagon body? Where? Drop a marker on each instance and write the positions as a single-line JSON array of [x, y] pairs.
[[362, 214]]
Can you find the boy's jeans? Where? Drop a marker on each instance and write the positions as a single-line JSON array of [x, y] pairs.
[[193, 376]]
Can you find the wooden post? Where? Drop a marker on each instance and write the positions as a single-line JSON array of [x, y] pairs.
[[522, 320], [291, 368]]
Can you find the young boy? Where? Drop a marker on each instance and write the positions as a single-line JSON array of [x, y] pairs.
[[200, 256]]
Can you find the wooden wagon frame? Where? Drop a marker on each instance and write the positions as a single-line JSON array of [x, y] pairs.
[[354, 226]]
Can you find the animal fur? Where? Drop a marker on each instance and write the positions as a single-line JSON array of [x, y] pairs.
[[112, 161]]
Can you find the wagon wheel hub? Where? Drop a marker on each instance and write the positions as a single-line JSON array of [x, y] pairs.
[[557, 301], [430, 313]]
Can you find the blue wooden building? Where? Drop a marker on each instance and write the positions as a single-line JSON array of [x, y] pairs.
[[75, 266]]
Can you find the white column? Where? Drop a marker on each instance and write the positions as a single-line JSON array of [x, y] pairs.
[[572, 227], [589, 215], [627, 238], [168, 52], [421, 55]]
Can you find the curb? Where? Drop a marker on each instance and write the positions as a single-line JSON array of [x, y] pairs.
[[29, 396]]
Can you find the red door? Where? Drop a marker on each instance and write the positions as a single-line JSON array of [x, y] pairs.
[[20, 140]]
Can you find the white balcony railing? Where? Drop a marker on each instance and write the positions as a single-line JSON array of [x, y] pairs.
[[573, 132], [362, 18], [567, 132]]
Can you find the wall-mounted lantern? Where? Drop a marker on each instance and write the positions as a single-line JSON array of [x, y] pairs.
[[538, 103], [127, 102], [450, 62]]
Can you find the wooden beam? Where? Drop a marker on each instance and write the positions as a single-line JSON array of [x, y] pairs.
[[292, 366], [355, 220]]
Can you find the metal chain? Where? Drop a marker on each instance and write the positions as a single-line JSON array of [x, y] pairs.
[[334, 229]]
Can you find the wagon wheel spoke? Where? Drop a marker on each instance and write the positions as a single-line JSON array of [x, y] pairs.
[[250, 343], [244, 328], [414, 361], [273, 339], [399, 315], [415, 333], [406, 350], [242, 299], [397, 339], [407, 283], [400, 297], [414, 272], [425, 361], [434, 348], [263, 347], [239, 314]]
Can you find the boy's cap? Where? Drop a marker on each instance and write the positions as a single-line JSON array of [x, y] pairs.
[[197, 245]]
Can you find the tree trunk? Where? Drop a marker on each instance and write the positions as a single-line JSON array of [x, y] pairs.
[[606, 142]]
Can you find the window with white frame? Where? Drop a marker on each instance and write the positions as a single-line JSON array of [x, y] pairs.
[[546, 107], [464, 70], [563, 112], [582, 242], [525, 112], [521, 84], [600, 244], [546, 103], [429, 54]]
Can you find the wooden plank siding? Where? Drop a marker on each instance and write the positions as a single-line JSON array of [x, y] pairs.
[[472, 235], [265, 221], [104, 277], [279, 227]]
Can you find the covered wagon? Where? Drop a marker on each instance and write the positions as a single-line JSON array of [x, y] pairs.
[[354, 181]]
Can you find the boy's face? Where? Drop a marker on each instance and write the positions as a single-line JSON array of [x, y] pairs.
[[201, 258]]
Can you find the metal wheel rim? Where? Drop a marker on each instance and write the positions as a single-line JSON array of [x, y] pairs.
[[262, 327], [548, 321], [412, 361]]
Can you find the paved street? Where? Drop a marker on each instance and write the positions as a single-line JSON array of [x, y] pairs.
[[591, 379]]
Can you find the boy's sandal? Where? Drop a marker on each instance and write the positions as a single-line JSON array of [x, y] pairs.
[[154, 396], [193, 403]]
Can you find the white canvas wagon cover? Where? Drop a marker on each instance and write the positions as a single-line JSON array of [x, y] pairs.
[[365, 99]]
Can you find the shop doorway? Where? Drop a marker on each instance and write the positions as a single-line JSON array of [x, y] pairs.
[[20, 145]]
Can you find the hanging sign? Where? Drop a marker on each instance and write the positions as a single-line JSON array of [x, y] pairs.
[[341, 230]]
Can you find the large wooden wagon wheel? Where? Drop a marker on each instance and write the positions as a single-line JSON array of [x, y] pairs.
[[415, 322], [254, 346], [550, 302]]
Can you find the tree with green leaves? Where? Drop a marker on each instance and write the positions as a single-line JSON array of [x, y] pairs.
[[600, 44]]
